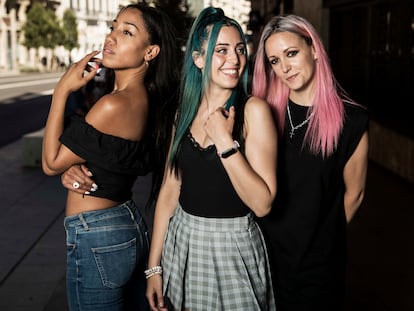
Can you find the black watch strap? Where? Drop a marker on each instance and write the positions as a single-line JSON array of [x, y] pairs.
[[228, 152]]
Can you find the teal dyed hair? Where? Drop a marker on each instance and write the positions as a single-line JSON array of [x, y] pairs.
[[205, 28]]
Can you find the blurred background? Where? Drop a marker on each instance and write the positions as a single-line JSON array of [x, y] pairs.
[[371, 46]]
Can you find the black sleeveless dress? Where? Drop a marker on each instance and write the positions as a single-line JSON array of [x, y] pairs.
[[306, 229]]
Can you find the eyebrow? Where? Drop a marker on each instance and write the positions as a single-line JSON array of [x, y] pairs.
[[291, 48], [284, 51], [227, 44], [127, 23]]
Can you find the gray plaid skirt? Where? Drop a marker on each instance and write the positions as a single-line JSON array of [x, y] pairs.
[[216, 264]]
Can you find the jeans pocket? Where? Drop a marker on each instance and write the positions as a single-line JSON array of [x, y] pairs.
[[116, 263]]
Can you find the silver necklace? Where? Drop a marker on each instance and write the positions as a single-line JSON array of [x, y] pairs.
[[294, 128]]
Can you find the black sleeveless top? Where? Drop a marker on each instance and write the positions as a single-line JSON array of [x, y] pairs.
[[114, 162], [206, 189], [306, 228]]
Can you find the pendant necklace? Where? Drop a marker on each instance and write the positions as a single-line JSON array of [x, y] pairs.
[[294, 128]]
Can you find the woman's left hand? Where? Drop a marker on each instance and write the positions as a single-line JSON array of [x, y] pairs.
[[77, 178]]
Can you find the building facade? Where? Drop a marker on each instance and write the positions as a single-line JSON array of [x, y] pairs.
[[93, 19]]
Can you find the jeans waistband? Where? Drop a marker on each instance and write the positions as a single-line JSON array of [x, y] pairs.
[[82, 219]]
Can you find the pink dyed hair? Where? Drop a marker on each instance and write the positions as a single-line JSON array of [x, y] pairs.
[[325, 126]]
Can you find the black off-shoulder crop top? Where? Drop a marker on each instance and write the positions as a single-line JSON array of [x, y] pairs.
[[114, 162]]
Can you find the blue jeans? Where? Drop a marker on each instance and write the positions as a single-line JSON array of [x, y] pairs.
[[107, 252]]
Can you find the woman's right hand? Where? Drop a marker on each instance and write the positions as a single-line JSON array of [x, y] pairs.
[[74, 78], [77, 178], [154, 293]]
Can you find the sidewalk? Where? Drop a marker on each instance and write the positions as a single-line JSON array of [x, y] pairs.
[[32, 263], [380, 245], [32, 240]]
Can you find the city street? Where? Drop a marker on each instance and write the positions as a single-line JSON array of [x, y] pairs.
[[26, 85], [371, 51]]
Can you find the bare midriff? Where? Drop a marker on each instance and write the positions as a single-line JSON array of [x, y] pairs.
[[77, 203]]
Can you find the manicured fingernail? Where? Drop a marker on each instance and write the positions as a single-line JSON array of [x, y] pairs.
[[87, 192], [89, 173]]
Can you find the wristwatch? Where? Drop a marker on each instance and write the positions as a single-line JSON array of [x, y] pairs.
[[228, 152]]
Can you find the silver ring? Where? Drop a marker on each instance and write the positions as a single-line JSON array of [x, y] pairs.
[[75, 185]]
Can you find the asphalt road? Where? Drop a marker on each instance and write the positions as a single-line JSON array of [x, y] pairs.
[[22, 117], [24, 103]]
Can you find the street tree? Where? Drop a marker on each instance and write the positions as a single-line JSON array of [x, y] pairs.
[[70, 30], [42, 29]]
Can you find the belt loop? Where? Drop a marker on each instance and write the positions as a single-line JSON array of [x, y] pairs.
[[130, 211], [83, 221]]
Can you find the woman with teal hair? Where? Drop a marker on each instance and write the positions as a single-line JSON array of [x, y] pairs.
[[207, 251]]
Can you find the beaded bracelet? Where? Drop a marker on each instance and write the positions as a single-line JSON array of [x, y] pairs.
[[153, 271]]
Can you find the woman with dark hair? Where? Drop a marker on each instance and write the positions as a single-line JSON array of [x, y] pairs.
[[207, 251], [125, 134]]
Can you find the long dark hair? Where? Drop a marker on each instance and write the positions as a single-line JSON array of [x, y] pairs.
[[162, 83]]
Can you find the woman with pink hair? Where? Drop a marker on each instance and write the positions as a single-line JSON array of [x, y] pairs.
[[322, 165]]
